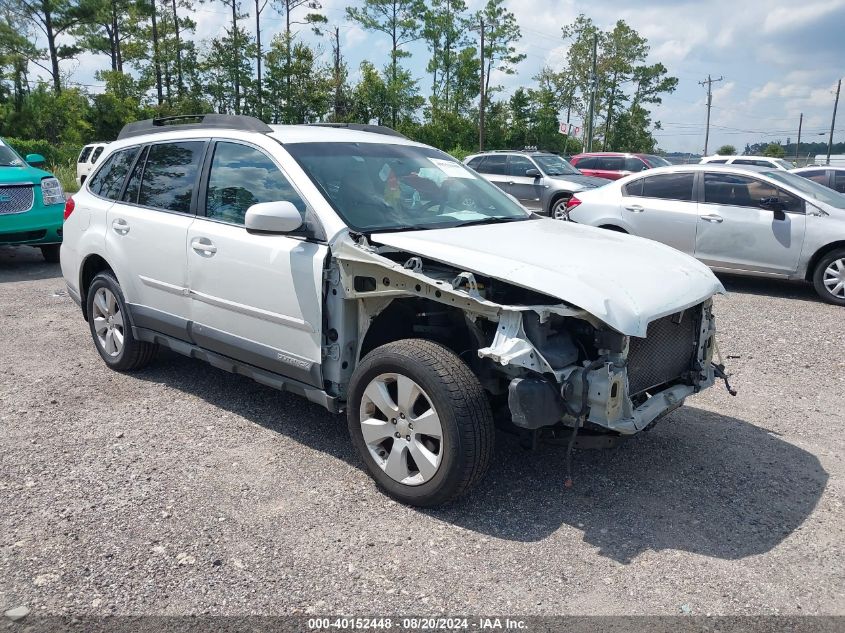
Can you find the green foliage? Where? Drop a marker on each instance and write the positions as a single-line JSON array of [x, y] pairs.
[[775, 150], [727, 150], [54, 154]]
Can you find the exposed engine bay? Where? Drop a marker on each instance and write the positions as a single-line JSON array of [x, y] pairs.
[[551, 362]]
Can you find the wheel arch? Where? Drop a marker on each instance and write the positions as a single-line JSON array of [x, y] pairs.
[[613, 227], [91, 265], [818, 255]]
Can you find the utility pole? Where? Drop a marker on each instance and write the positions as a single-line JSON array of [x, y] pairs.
[[709, 81], [337, 81], [593, 86], [833, 121], [798, 144], [481, 93]]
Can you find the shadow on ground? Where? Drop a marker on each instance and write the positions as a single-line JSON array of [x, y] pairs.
[[765, 287], [24, 263], [700, 482]]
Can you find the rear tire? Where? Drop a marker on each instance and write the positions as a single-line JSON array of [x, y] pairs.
[[422, 383], [51, 253], [829, 277], [111, 329]]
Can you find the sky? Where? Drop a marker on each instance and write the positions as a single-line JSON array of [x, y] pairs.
[[777, 58]]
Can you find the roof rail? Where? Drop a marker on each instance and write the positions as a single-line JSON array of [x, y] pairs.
[[364, 127], [193, 122]]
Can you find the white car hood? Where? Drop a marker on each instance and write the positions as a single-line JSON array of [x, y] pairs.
[[624, 281]]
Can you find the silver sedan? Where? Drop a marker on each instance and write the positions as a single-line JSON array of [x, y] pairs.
[[749, 221]]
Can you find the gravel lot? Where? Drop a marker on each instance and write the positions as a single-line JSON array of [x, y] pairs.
[[184, 489]]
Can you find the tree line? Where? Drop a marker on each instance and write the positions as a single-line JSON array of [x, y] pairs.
[[154, 65]]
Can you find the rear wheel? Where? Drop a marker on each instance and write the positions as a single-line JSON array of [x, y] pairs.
[[51, 252], [108, 319], [829, 277], [420, 421], [559, 211]]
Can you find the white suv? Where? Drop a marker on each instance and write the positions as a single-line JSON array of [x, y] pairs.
[[381, 277], [748, 161]]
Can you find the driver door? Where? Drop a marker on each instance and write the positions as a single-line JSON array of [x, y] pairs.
[[737, 232], [254, 298]]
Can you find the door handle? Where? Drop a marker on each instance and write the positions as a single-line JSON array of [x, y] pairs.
[[511, 182], [203, 246], [635, 208], [713, 218], [120, 226]]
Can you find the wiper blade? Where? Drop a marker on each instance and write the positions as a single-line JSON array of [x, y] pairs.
[[491, 220]]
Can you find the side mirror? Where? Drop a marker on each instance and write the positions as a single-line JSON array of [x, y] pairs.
[[272, 217], [776, 206], [35, 159], [533, 173]]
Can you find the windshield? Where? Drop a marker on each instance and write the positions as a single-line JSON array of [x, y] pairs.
[[657, 161], [809, 188], [384, 187], [555, 165], [8, 158]]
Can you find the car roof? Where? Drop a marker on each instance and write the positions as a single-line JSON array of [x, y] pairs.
[[613, 154], [320, 134], [748, 169], [818, 167]]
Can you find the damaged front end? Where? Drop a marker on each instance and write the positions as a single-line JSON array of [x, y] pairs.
[[553, 363]]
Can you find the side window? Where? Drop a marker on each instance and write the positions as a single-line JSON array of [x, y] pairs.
[[633, 188], [170, 175], [475, 162], [96, 154], [669, 186], [241, 176], [718, 161], [494, 164], [588, 162], [611, 163], [133, 186], [518, 164], [742, 191], [84, 154], [817, 175], [108, 181], [634, 164], [839, 181]]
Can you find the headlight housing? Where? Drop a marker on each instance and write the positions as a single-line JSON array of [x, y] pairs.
[[52, 192]]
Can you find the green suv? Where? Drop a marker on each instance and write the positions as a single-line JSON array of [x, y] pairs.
[[31, 203]]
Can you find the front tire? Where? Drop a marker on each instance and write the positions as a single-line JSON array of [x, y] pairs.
[[558, 210], [111, 330], [420, 421], [51, 253], [829, 277]]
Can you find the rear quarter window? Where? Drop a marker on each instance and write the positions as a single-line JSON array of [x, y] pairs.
[[108, 181], [84, 154]]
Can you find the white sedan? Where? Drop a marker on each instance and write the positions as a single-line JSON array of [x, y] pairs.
[[750, 221]]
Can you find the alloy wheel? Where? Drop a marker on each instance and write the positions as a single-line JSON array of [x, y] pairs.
[[401, 429], [108, 322], [834, 278]]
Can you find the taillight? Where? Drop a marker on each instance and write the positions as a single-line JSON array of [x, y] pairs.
[[572, 203], [69, 206]]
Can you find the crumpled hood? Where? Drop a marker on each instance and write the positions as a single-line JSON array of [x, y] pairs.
[[624, 281], [588, 182]]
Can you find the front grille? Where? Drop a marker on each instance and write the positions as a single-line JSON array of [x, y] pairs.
[[15, 198], [24, 236], [667, 351]]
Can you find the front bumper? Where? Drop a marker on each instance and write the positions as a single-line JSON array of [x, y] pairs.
[[40, 225]]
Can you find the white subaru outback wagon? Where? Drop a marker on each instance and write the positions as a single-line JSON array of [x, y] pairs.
[[380, 277]]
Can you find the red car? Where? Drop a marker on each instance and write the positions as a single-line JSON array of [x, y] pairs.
[[615, 165]]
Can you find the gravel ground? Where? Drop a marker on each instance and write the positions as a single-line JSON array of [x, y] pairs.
[[186, 490]]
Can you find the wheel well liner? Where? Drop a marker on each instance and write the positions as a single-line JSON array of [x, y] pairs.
[[824, 250], [613, 227], [92, 265]]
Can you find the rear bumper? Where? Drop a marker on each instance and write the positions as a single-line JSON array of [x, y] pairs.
[[40, 225]]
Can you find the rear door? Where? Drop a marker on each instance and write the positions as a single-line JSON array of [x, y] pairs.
[[610, 167], [147, 231], [494, 168], [662, 207], [735, 231], [255, 298], [526, 189]]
